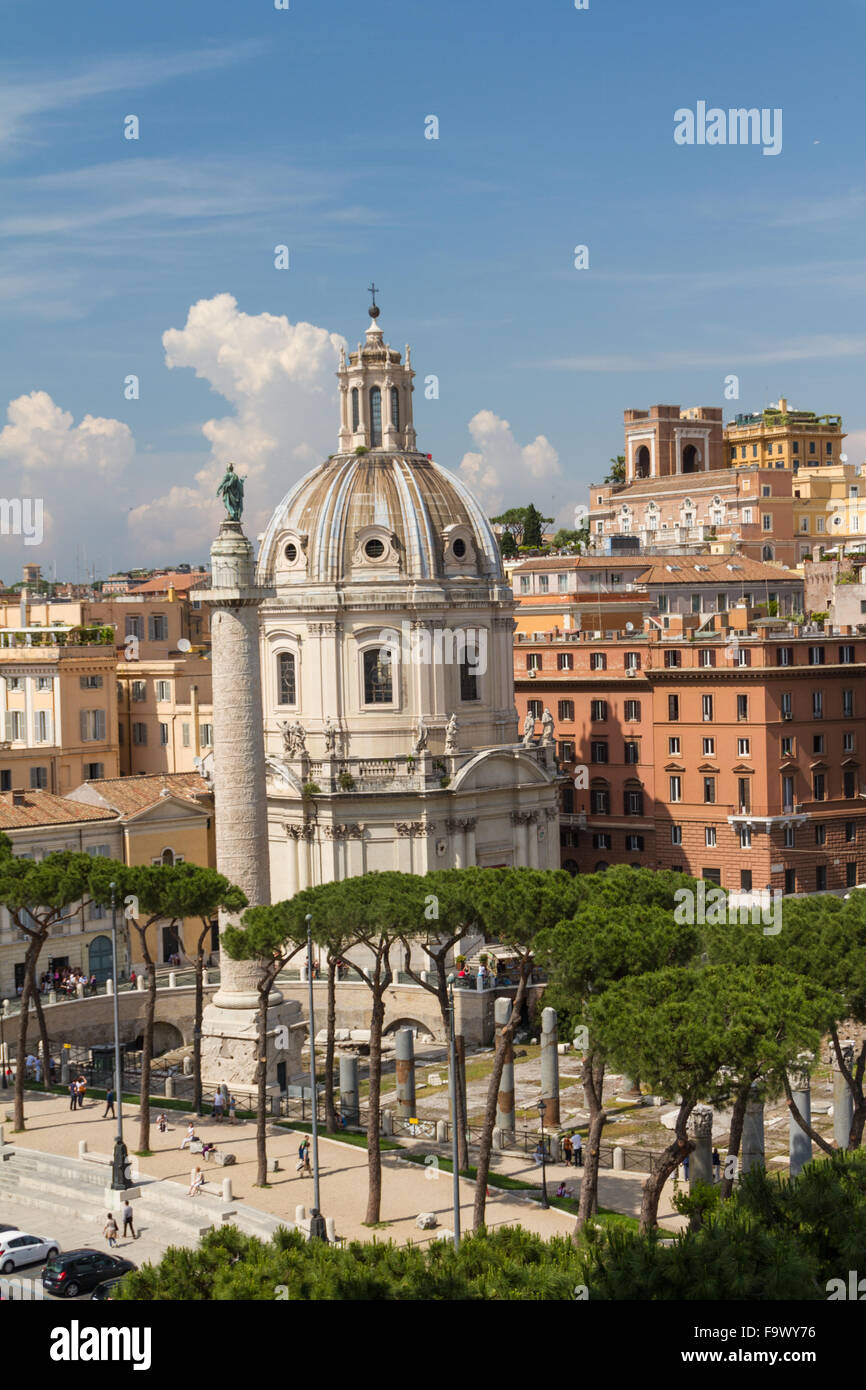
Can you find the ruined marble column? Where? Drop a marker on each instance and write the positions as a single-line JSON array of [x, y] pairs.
[[550, 1066], [405, 1068], [843, 1104], [349, 1100], [799, 1144], [701, 1157], [505, 1099], [752, 1146]]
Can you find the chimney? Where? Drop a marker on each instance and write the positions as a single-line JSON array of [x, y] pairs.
[[783, 404], [18, 799]]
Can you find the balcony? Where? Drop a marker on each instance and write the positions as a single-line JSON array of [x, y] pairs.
[[21, 639], [765, 821]]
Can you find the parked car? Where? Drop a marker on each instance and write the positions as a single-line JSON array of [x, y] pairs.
[[18, 1248], [78, 1271], [105, 1290]]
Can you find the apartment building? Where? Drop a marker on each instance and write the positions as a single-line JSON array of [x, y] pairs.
[[730, 752], [135, 820], [762, 485], [58, 717], [159, 637]]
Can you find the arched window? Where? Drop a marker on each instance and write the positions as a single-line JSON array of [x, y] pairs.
[[571, 866], [378, 683], [287, 690], [167, 857], [375, 417], [395, 408], [642, 462], [600, 867], [356, 409], [690, 459], [767, 552]]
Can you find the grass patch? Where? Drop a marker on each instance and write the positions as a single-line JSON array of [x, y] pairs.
[[501, 1180]]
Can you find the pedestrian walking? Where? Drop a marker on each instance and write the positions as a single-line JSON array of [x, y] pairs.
[[217, 1108], [567, 1151], [73, 1095], [686, 1167], [127, 1219], [577, 1147], [717, 1165], [110, 1231], [110, 1098], [233, 1105], [304, 1158], [82, 1087]]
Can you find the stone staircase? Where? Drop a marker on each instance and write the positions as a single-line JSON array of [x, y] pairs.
[[32, 1179]]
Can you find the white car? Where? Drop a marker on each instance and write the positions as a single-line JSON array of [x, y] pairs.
[[18, 1248]]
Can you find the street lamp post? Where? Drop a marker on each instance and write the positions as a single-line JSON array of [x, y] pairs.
[[542, 1106], [119, 1163], [452, 1088], [5, 1083], [313, 1091]]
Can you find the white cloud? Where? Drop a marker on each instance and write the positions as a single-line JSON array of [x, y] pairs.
[[44, 454], [279, 377], [500, 472]]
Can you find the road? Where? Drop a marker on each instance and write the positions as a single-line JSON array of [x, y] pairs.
[[71, 1233]]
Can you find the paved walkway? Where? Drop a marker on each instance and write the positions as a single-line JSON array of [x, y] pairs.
[[407, 1188]]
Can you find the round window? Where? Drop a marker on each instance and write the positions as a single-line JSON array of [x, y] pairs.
[[459, 548], [291, 553], [374, 549]]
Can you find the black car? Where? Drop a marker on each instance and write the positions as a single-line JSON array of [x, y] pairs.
[[77, 1271], [106, 1289]]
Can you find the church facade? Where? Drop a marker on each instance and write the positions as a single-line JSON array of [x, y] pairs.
[[390, 729]]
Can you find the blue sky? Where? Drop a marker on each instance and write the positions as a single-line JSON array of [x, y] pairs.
[[305, 127]]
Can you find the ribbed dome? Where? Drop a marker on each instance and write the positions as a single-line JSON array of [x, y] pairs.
[[366, 517]]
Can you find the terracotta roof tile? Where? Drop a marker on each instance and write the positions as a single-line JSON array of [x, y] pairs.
[[130, 794], [44, 808]]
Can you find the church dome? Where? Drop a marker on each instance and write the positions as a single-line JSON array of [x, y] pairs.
[[378, 509]]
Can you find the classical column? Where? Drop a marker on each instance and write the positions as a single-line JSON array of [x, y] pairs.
[[549, 1066], [701, 1158], [349, 1100], [405, 1068], [470, 824], [799, 1144], [229, 1026], [753, 1132], [843, 1104], [505, 1099]]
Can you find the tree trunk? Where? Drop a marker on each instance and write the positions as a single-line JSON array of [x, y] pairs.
[[146, 1058], [738, 1115], [30, 958], [196, 1031], [593, 1091], [505, 1036], [331, 1124], [669, 1162], [43, 1027], [262, 1085], [374, 1156]]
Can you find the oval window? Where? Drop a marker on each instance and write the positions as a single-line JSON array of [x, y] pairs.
[[291, 553], [374, 549], [459, 548]]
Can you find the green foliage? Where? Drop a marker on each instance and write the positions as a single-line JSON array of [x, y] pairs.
[[616, 472], [775, 1239], [524, 525], [508, 546]]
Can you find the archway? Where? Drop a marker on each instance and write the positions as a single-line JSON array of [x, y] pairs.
[[166, 1037], [642, 462], [690, 459], [99, 958]]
